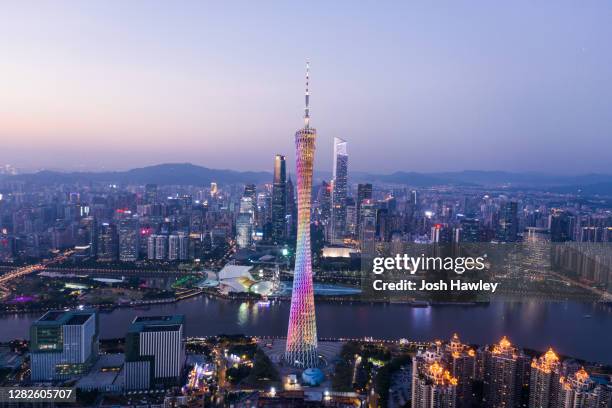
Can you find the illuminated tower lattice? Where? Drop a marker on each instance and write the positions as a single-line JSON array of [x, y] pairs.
[[301, 348]]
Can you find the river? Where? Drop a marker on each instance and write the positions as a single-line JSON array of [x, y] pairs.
[[582, 330]]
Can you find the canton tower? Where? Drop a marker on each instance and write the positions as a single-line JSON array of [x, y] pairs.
[[301, 350]]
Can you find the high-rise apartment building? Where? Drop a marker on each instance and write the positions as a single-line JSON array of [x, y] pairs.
[[157, 247], [544, 380], [461, 362], [154, 352], [63, 344], [579, 389], [433, 385], [505, 369], [178, 247]]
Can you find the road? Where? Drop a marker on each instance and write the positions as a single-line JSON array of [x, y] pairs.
[[26, 270]]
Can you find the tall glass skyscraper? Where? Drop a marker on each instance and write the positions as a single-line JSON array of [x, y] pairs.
[[301, 349], [339, 191], [279, 200]]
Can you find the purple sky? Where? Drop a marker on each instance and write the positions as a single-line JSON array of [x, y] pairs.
[[413, 86]]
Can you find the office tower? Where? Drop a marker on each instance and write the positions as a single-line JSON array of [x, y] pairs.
[[214, 189], [246, 217], [508, 222], [364, 192], [263, 215], [414, 199], [544, 380], [559, 226], [150, 194], [504, 374], [108, 246], [62, 344], [440, 234], [323, 208], [351, 217], [154, 352], [129, 240], [433, 386], [301, 349], [470, 230], [244, 230], [291, 210], [279, 199], [250, 191], [339, 190], [367, 222], [247, 206]]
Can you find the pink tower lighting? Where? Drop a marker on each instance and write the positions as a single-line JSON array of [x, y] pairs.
[[301, 350]]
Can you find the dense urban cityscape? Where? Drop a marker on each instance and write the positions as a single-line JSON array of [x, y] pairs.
[[436, 233], [72, 249], [79, 248]]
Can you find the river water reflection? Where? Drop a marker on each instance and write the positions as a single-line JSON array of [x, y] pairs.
[[581, 330]]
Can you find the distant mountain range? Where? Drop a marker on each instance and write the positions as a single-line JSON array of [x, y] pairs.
[[190, 174], [163, 174]]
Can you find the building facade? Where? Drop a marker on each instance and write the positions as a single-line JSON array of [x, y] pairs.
[[63, 344]]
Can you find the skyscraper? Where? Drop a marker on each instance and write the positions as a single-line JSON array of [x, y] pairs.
[[150, 194], [461, 361], [279, 199], [178, 247], [129, 236], [580, 390], [364, 192], [63, 344], [433, 386], [504, 374], [339, 190], [291, 210], [508, 223], [367, 229], [544, 381], [244, 230], [108, 245], [301, 349], [323, 210]]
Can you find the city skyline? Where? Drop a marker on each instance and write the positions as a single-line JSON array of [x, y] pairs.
[[411, 88]]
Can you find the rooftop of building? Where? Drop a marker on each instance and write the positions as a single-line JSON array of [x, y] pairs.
[[156, 323], [105, 373], [63, 317]]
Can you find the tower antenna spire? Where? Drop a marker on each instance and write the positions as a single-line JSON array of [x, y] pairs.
[[307, 98]]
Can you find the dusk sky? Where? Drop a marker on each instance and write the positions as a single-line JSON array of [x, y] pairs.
[[412, 86]]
